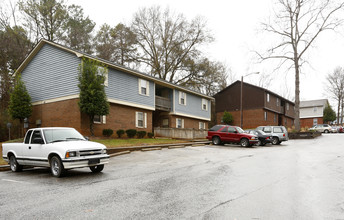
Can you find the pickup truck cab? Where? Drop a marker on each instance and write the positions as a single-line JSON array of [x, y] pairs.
[[60, 149]]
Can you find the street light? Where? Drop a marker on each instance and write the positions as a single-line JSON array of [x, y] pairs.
[[241, 113]]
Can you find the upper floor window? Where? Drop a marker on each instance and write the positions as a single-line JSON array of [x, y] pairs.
[[315, 109], [204, 104], [277, 102], [267, 97], [143, 87], [287, 106], [103, 71], [182, 98]]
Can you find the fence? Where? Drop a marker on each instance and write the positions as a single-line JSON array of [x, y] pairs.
[[180, 133]]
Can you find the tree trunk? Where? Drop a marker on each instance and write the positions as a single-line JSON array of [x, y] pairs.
[[297, 95], [341, 115], [91, 125], [338, 110]]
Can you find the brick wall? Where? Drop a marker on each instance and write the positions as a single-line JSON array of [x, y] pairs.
[[188, 122], [308, 122], [254, 117]]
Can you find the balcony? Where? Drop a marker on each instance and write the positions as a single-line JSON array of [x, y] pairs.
[[162, 103]]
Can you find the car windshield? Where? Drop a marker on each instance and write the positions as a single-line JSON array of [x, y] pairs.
[[57, 135], [239, 130]]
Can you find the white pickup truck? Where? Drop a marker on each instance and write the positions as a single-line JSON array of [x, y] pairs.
[[58, 148]]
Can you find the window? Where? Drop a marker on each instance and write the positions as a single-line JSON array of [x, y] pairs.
[[265, 116], [231, 130], [103, 71], [165, 123], [204, 104], [27, 138], [182, 98], [287, 106], [141, 120], [278, 130], [201, 125], [99, 119], [179, 123], [315, 109], [267, 97], [275, 117], [143, 87], [277, 102], [36, 134], [267, 129], [225, 129]]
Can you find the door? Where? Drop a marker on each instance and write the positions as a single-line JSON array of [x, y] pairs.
[[35, 151]]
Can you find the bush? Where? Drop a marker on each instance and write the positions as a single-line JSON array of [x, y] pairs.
[[107, 132], [227, 118], [131, 133], [141, 134], [150, 134], [120, 132]]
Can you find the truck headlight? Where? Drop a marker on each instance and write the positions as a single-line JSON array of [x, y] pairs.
[[71, 154], [104, 151]]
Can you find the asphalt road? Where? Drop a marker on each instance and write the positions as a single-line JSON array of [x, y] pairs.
[[300, 179]]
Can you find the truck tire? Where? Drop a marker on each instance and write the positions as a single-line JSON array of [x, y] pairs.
[[15, 166], [244, 142], [97, 169], [56, 167], [216, 140]]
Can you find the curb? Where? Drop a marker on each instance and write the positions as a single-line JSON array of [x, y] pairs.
[[119, 153], [151, 149], [175, 147], [5, 167]]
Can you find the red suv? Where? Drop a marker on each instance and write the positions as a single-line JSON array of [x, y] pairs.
[[221, 134]]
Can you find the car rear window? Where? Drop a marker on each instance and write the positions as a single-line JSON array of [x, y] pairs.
[[278, 130], [267, 129], [215, 128]]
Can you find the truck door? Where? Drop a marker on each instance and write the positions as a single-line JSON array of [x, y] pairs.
[[35, 150]]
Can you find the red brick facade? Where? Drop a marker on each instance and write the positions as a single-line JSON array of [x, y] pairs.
[[67, 114], [308, 122], [256, 117]]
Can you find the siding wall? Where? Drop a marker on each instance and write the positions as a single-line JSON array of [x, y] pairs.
[[52, 73], [193, 106], [125, 87], [309, 112]]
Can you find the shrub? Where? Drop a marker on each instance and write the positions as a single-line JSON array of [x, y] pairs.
[[141, 134], [150, 134], [120, 132], [131, 133], [227, 118], [107, 132]]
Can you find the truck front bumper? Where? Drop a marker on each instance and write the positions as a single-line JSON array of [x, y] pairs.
[[85, 162]]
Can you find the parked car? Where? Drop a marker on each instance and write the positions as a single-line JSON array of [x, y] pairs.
[[278, 133], [263, 138], [221, 134], [60, 149], [324, 128], [337, 129]]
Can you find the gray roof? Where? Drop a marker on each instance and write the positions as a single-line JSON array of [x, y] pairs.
[[313, 103]]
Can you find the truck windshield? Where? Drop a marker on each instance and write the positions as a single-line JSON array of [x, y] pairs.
[[57, 135]]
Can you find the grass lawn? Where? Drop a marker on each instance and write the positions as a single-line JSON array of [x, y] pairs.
[[110, 143]]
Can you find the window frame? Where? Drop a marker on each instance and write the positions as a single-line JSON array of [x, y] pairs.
[[182, 95], [100, 71], [144, 119], [201, 125], [140, 82], [267, 97], [181, 123], [204, 103]]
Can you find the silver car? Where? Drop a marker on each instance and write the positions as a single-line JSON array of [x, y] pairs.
[[278, 133], [322, 128]]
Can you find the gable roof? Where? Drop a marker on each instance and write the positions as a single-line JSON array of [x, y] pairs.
[[112, 65], [257, 87], [313, 103]]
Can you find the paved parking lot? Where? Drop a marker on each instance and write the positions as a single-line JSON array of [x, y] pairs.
[[300, 179]]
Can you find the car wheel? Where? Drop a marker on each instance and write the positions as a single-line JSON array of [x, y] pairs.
[[275, 140], [244, 142], [97, 169], [15, 167], [56, 166], [260, 143], [326, 131], [216, 140]]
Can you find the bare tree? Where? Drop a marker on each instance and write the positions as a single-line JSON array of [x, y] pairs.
[[298, 24], [335, 86], [168, 42]]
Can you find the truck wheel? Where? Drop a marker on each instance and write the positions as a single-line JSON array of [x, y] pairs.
[[275, 140], [15, 166], [216, 140], [97, 169], [56, 166], [244, 142]]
